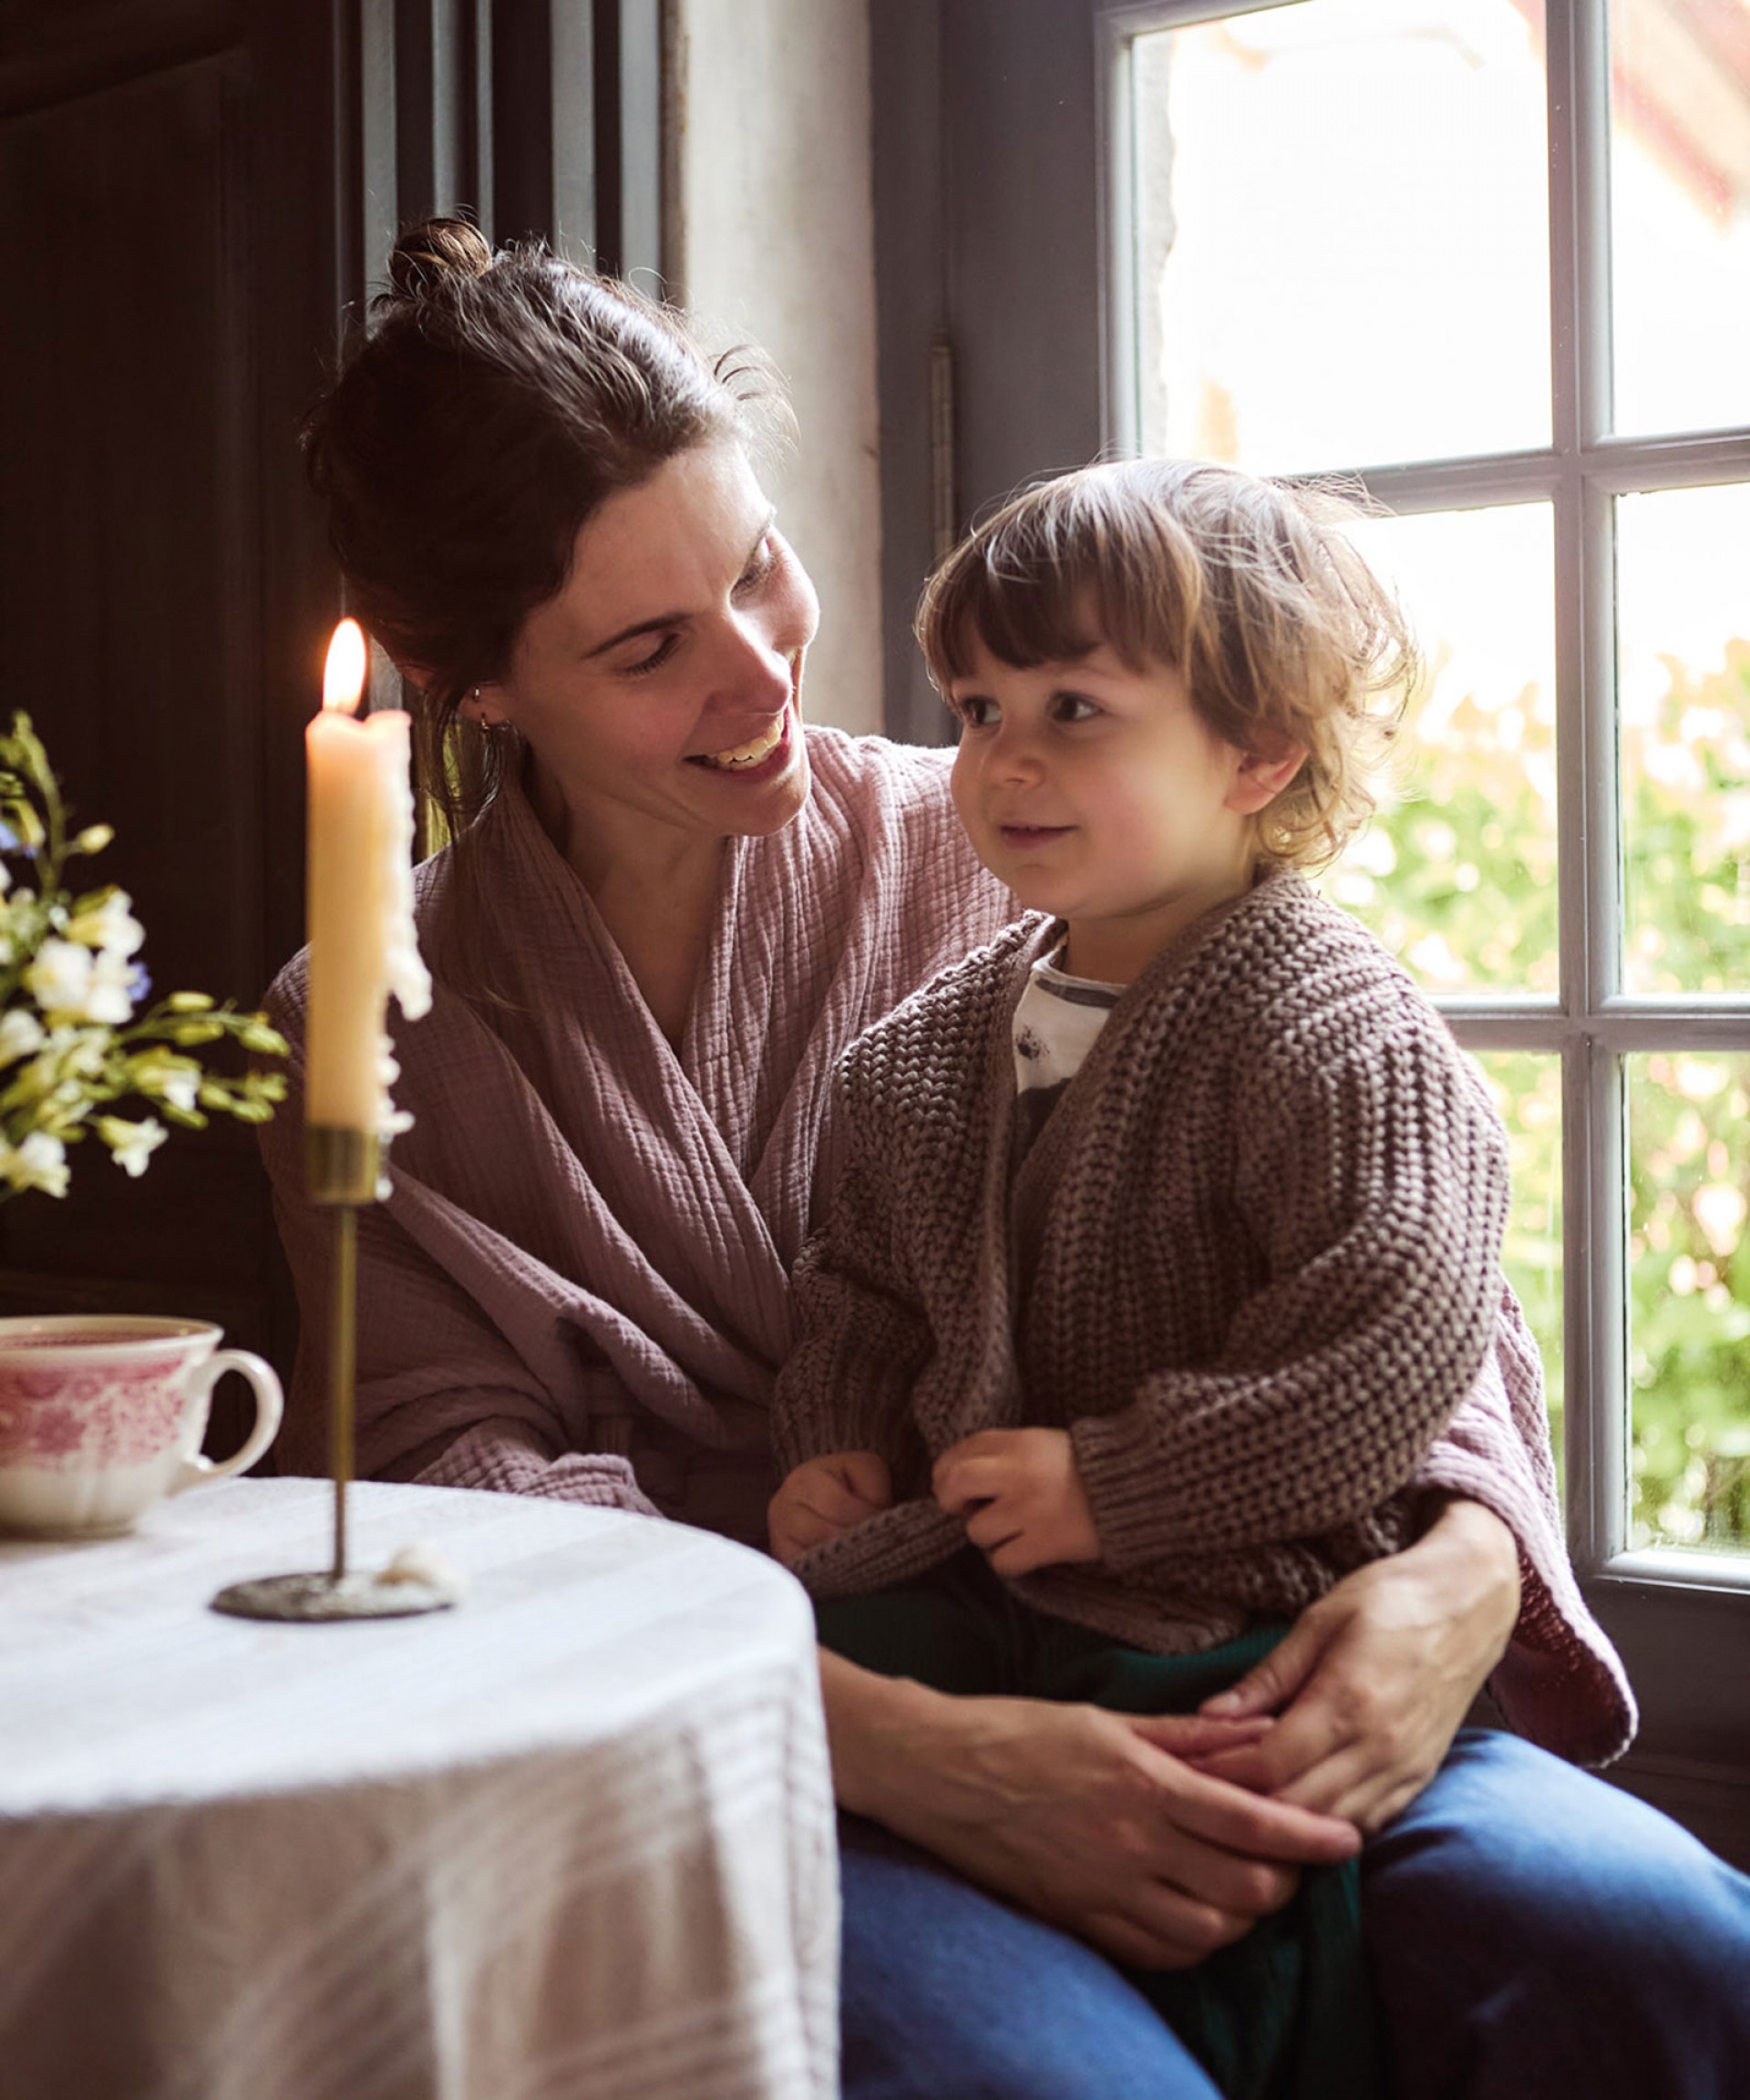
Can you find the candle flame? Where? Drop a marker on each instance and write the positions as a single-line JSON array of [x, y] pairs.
[[344, 679]]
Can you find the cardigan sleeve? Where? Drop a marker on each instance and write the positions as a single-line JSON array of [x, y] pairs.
[[1371, 1191], [1560, 1681], [862, 1333]]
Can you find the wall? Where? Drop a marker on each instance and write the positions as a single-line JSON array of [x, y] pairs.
[[776, 245]]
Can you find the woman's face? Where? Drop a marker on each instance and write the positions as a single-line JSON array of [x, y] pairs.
[[663, 682]]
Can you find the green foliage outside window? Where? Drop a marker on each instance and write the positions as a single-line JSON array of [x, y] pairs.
[[1459, 877]]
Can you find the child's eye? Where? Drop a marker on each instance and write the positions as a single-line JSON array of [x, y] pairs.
[[976, 711], [1073, 707]]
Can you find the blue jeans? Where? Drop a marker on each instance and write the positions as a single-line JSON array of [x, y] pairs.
[[1534, 1934]]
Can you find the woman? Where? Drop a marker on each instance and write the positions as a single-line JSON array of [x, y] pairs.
[[672, 911]]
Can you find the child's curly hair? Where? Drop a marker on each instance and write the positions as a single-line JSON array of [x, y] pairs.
[[1250, 589]]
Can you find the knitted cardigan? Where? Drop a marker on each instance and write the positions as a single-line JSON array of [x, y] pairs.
[[1251, 1264]]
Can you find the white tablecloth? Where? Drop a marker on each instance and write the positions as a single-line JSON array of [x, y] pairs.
[[573, 1838]]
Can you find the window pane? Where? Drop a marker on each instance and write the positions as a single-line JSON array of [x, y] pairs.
[[1457, 873], [1683, 688], [1680, 204], [1342, 247], [1689, 1310], [1527, 1089]]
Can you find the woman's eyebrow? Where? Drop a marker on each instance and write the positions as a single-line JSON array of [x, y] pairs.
[[658, 621]]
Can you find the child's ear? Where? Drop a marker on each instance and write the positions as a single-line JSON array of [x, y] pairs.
[[1260, 779]]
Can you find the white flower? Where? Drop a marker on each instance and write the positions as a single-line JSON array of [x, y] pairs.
[[21, 1036], [40, 1162], [60, 976], [131, 1145], [179, 1085], [108, 924], [108, 1000], [75, 1052]]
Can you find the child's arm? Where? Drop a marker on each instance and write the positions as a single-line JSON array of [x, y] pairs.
[[1375, 1191], [862, 1335]]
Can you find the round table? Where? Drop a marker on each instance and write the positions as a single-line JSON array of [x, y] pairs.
[[573, 1838]]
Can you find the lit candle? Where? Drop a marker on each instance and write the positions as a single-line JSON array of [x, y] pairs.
[[360, 892]]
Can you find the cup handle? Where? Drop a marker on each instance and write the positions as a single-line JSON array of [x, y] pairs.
[[270, 1406]]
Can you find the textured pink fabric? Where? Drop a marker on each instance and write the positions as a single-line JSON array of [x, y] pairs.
[[580, 1283]]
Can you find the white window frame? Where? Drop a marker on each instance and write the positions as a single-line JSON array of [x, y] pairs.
[[1592, 1024]]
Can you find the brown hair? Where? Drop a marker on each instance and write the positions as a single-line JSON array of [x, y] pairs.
[[1250, 589], [495, 402]]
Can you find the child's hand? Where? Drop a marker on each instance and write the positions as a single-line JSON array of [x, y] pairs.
[[824, 1497], [1021, 1493]]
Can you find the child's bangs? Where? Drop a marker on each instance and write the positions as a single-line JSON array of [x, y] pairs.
[[1050, 581], [1021, 613]]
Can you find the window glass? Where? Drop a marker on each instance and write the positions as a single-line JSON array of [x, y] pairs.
[[1343, 245], [1689, 1299], [1680, 212], [1456, 872], [1684, 698], [1527, 1090]]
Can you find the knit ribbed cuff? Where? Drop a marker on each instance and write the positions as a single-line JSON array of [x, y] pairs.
[[895, 1546], [1118, 1457]]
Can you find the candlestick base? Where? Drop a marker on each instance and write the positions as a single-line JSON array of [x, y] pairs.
[[342, 1166], [316, 1599]]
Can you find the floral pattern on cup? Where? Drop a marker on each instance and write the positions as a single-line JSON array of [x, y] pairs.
[[117, 1416]]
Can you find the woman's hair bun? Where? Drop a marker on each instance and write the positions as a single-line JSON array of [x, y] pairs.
[[439, 252]]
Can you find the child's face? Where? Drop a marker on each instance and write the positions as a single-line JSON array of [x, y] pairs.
[[1097, 793]]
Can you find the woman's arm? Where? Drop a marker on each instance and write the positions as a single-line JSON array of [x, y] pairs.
[[1372, 1681], [1076, 1815]]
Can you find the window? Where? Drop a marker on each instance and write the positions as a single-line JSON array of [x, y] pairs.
[[1493, 258], [1345, 235]]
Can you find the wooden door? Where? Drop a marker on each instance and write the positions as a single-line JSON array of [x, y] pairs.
[[169, 168], [199, 194]]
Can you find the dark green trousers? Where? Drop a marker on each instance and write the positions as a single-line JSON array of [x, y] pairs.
[[1285, 2013]]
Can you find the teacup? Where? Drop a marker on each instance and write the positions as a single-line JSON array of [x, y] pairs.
[[102, 1414]]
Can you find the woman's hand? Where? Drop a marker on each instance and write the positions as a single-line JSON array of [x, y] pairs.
[[823, 1496], [1021, 1493], [1372, 1682], [1075, 1814]]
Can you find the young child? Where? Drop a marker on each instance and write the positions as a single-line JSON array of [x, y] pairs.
[[1167, 1243]]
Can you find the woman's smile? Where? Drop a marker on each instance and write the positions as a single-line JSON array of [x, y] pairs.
[[759, 757]]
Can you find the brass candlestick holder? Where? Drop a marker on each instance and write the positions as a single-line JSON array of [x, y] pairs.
[[342, 1168]]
